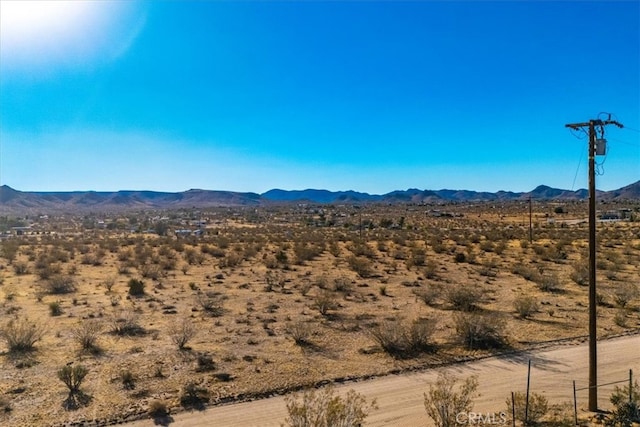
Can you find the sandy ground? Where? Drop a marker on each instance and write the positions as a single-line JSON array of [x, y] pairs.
[[400, 398]]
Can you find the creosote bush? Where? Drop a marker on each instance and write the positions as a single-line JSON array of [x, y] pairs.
[[136, 287], [480, 331], [538, 407], [626, 406], [463, 297], [443, 403], [194, 396], [324, 408], [60, 284], [402, 339], [525, 306]]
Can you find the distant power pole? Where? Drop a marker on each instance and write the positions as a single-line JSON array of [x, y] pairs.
[[530, 221], [593, 146]]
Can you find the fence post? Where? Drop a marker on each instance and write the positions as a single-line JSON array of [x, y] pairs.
[[575, 404], [526, 404], [630, 386], [513, 409]]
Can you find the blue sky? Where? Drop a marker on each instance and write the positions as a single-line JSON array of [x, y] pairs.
[[340, 95]]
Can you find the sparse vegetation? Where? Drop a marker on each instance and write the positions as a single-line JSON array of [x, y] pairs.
[[274, 287]]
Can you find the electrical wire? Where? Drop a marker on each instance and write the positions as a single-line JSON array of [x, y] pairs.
[[577, 170]]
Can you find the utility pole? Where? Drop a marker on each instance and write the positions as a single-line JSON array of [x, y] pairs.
[[593, 355], [530, 222]]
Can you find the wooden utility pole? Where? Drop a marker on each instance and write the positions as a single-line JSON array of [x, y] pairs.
[[593, 354]]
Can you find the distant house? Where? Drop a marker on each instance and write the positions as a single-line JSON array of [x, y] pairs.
[[183, 233], [19, 231]]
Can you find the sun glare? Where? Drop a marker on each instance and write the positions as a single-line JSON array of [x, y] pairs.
[[70, 32]]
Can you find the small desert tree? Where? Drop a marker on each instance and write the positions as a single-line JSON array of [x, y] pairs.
[[443, 402], [181, 332], [72, 376], [323, 408]]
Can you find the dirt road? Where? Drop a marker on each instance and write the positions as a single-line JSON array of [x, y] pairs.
[[400, 397]]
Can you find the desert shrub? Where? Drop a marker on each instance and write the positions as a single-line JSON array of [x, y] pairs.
[[55, 309], [343, 285], [462, 297], [205, 363], [108, 283], [5, 405], [429, 295], [230, 260], [430, 270], [60, 284], [211, 302], [323, 408], [360, 265], [527, 272], [126, 323], [9, 250], [477, 331], [626, 403], [273, 280], [417, 258], [181, 332], [136, 287], [402, 339], [20, 268], [21, 335], [193, 395], [72, 376], [538, 407], [580, 273], [525, 306], [620, 319], [624, 293], [443, 403], [306, 252], [300, 332], [324, 302], [86, 333], [128, 379], [549, 283], [149, 271], [158, 409]]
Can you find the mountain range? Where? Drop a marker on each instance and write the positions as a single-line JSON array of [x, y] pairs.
[[27, 202]]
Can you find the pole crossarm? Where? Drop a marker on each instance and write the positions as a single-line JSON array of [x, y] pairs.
[[595, 122]]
